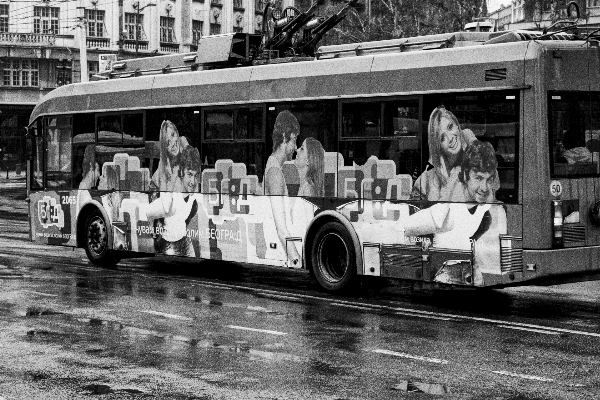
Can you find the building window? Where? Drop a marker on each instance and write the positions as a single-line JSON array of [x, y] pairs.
[[167, 30], [63, 72], [95, 22], [3, 17], [594, 3], [215, 29], [238, 29], [21, 72], [238, 4], [93, 67], [134, 26], [196, 31], [260, 5], [45, 20]]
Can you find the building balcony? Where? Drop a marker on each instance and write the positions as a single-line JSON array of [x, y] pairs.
[[169, 47], [25, 39], [141, 45], [97, 42]]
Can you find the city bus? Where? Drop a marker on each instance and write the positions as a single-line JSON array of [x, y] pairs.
[[461, 160]]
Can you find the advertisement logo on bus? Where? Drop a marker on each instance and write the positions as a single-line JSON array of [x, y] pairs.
[[50, 213]]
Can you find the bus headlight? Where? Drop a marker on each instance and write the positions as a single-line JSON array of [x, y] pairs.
[[557, 224]]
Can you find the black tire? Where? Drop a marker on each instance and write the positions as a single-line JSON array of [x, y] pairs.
[[333, 258], [96, 241]]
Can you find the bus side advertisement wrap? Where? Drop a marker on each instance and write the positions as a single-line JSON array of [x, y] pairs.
[[441, 227], [53, 217]]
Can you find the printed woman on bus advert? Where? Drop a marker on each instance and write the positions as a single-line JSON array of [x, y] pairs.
[[171, 144], [447, 142]]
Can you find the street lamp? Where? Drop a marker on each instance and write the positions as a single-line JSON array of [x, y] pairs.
[[138, 9]]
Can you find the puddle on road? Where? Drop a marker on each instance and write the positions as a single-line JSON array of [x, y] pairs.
[[422, 387], [96, 388], [34, 311]]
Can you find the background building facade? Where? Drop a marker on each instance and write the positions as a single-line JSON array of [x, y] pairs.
[[39, 44], [537, 14]]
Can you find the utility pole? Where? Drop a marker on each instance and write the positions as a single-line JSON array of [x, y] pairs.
[[136, 5], [121, 34], [138, 9], [82, 42]]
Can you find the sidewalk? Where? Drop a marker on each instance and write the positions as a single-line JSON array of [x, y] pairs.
[[13, 178]]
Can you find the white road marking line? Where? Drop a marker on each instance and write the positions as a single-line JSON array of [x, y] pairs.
[[245, 328], [260, 308], [410, 356], [280, 297], [426, 316], [351, 306], [213, 286], [522, 376], [170, 316], [547, 332], [39, 293]]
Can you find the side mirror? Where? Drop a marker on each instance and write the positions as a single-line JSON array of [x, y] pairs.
[[573, 10], [29, 138]]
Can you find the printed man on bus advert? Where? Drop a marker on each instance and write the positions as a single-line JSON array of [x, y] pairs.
[[285, 134], [474, 225]]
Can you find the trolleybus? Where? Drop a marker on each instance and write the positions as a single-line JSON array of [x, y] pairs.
[[469, 159]]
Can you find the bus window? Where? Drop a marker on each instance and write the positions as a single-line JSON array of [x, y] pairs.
[[109, 130], [491, 117], [133, 129], [218, 125], [37, 161], [574, 125], [58, 154], [85, 173], [249, 123], [380, 143], [316, 145], [361, 120], [234, 134]]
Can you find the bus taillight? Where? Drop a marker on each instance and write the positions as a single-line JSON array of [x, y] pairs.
[[557, 224]]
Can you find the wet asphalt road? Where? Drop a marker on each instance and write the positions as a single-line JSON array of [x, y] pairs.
[[155, 329]]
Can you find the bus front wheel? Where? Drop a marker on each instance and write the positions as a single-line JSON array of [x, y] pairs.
[[96, 241], [333, 259]]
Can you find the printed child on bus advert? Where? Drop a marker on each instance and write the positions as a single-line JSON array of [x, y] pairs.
[[178, 208]]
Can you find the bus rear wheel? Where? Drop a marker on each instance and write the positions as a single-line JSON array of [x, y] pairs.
[[333, 259], [96, 241]]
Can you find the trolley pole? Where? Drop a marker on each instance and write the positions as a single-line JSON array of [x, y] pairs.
[[82, 43]]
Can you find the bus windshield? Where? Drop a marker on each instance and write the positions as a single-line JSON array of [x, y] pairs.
[[574, 127]]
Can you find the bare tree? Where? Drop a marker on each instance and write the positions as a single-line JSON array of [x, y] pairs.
[[387, 19]]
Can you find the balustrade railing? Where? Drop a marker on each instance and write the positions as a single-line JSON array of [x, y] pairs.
[[92, 42], [27, 38], [169, 48], [131, 45]]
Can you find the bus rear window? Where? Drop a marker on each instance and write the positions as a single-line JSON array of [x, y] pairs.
[[574, 125]]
